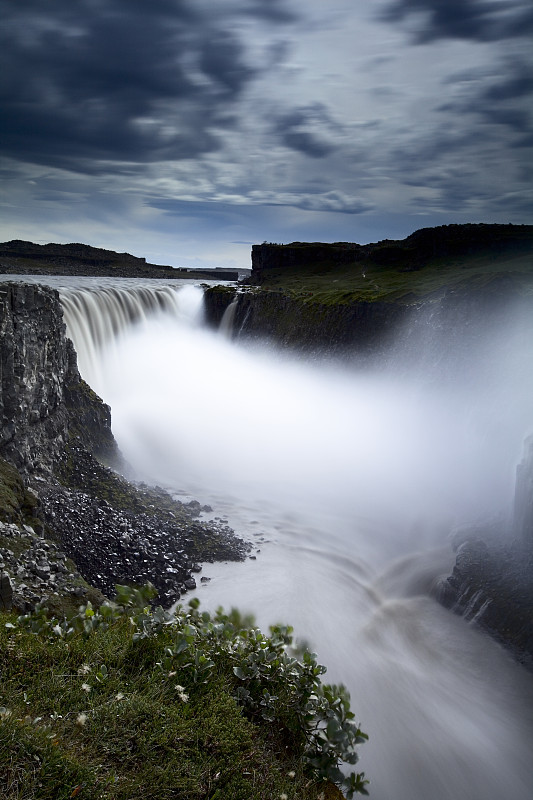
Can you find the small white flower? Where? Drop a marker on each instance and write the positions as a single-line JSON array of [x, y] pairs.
[[119, 696], [84, 669], [283, 796], [291, 774], [183, 696], [86, 687], [81, 719]]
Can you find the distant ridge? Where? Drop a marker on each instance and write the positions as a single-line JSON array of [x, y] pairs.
[[19, 257]]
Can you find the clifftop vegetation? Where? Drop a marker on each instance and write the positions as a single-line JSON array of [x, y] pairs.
[[124, 703], [461, 257]]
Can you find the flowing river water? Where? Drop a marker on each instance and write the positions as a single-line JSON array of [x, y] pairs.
[[349, 481]]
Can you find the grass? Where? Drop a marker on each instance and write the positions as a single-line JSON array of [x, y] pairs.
[[327, 283], [101, 716]]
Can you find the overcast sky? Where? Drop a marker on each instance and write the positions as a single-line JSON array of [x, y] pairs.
[[186, 130]]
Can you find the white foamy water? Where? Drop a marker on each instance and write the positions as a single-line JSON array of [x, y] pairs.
[[348, 483]]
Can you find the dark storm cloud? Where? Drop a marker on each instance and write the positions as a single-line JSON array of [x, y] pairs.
[[517, 85], [271, 10], [333, 201], [222, 60], [503, 101], [87, 81], [476, 20], [306, 130], [461, 169]]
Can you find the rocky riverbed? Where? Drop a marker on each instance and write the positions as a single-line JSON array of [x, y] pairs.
[[81, 545]]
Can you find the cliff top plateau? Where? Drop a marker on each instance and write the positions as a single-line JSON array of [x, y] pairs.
[[462, 256]]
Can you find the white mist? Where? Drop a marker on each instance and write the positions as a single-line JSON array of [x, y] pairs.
[[348, 482]]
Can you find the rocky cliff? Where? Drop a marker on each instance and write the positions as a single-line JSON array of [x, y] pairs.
[[346, 297], [290, 321], [523, 507], [70, 527], [43, 400], [492, 580]]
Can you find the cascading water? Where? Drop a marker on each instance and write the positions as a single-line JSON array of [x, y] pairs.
[[347, 482], [97, 318]]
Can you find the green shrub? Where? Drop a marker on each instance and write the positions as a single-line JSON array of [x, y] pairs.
[[188, 705]]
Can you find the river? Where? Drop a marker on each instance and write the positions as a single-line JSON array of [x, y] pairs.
[[349, 481]]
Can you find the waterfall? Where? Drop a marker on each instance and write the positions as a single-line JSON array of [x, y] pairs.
[[228, 318], [96, 318], [348, 483]]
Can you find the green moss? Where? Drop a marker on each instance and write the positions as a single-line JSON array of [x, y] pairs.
[[11, 492], [17, 545], [17, 504], [66, 605]]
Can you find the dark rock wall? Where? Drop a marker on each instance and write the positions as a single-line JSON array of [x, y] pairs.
[[42, 397], [317, 327], [492, 579], [360, 327], [443, 331], [523, 510]]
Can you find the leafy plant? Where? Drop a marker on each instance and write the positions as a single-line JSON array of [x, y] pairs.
[[192, 648]]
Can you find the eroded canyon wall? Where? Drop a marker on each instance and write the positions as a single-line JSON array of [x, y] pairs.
[[43, 400]]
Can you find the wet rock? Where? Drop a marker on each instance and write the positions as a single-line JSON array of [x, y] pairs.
[[523, 509], [6, 592], [492, 580]]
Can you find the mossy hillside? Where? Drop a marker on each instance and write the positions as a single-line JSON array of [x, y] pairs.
[[136, 709], [20, 505], [79, 470], [327, 283], [428, 261]]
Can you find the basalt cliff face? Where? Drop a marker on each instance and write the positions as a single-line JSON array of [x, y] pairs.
[[360, 328], [523, 508], [43, 400]]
